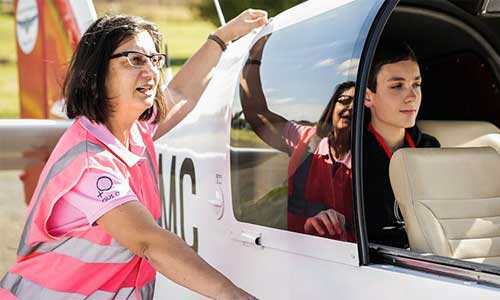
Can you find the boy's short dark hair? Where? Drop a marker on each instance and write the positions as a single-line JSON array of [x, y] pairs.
[[84, 85], [388, 52]]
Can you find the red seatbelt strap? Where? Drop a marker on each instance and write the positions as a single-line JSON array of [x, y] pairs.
[[380, 140]]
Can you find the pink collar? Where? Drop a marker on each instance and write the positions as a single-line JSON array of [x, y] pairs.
[[324, 150], [102, 133]]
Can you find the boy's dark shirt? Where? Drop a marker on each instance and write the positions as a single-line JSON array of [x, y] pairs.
[[378, 195]]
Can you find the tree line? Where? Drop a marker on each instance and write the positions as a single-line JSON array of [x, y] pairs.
[[231, 8]]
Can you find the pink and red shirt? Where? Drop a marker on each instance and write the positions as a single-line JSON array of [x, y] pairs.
[[330, 186]]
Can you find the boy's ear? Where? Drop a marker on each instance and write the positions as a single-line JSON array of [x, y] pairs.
[[368, 98]]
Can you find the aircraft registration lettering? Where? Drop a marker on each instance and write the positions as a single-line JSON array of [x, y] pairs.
[[176, 204]]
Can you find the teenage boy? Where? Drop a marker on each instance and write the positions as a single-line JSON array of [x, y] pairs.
[[393, 98]]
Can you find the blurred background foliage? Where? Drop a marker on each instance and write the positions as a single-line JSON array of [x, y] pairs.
[[232, 8], [185, 24]]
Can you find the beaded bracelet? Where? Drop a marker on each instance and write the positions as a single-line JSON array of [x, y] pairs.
[[218, 40]]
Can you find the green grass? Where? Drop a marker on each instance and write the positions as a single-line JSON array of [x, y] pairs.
[[184, 38], [9, 102], [7, 35], [183, 32], [246, 139], [270, 210]]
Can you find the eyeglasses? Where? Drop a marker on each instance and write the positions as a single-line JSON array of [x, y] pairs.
[[139, 59], [345, 100]]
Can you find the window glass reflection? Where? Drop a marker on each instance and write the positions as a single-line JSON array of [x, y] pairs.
[[291, 129], [291, 126]]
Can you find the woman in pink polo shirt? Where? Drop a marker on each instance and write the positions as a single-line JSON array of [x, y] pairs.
[[91, 230], [319, 170]]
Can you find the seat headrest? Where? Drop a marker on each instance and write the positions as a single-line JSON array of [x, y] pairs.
[[456, 133]]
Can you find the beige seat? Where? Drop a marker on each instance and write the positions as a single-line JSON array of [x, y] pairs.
[[462, 133], [450, 200]]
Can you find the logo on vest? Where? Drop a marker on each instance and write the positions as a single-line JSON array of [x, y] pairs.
[[104, 184]]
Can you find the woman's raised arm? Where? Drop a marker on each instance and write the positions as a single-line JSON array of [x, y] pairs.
[[188, 84]]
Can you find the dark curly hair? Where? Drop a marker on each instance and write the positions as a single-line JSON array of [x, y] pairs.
[[84, 85]]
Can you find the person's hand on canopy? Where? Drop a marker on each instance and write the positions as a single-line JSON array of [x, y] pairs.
[[242, 24], [327, 221], [187, 86]]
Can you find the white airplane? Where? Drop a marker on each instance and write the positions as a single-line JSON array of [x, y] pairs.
[[224, 191]]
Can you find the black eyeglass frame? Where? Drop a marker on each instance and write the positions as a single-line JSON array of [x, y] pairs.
[[126, 54], [345, 100]]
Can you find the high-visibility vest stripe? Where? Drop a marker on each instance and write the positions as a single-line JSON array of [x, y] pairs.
[[107, 276], [96, 265], [26, 289], [81, 248], [87, 251], [83, 147], [147, 291], [151, 167]]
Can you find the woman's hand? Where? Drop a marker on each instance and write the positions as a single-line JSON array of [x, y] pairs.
[[187, 86], [330, 219], [242, 24]]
